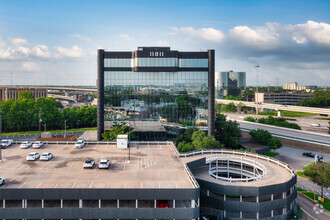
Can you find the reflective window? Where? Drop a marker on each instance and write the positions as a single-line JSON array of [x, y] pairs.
[[156, 104], [116, 62], [201, 63]]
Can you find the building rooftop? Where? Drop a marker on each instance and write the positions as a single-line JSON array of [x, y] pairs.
[[151, 166], [275, 174]]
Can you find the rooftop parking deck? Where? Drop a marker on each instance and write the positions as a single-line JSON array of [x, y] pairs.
[[150, 166]]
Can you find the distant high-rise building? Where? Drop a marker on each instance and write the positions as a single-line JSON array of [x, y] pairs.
[[295, 86], [229, 83]]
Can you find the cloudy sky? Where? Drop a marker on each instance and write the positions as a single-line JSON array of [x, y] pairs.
[[55, 42]]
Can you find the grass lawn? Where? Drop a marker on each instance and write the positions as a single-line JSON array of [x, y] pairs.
[[53, 131], [288, 113], [326, 203], [270, 154], [299, 212], [301, 173]]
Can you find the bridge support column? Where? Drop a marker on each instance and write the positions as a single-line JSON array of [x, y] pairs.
[[279, 113]]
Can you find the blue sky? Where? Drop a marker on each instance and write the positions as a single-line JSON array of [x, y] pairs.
[[55, 42]]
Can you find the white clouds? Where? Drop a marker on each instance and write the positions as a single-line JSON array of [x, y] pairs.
[[74, 52], [315, 32], [126, 37], [30, 66], [17, 41], [80, 37], [40, 51], [208, 34], [29, 52], [264, 38]]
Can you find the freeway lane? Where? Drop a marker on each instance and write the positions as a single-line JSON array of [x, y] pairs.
[[317, 138]]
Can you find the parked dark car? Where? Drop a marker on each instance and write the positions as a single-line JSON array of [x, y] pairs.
[[311, 154]]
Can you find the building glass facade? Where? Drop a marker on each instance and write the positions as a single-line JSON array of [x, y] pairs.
[[154, 90], [229, 83]]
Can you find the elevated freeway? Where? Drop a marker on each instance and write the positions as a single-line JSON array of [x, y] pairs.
[[288, 133], [277, 107]]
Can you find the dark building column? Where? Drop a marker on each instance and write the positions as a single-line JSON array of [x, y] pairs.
[[100, 94], [211, 100]]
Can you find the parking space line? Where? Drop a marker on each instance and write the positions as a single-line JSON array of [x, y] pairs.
[[21, 185], [39, 185], [73, 163], [73, 184], [56, 185], [91, 185]]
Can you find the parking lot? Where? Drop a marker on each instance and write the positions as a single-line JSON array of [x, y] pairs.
[[150, 166]]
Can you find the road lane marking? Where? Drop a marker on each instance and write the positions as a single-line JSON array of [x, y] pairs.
[[308, 214]]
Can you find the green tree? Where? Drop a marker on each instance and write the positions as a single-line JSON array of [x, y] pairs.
[[25, 95], [197, 139], [251, 119], [320, 174], [230, 97], [261, 136], [264, 137], [227, 132], [111, 134], [228, 107], [321, 99], [185, 146]]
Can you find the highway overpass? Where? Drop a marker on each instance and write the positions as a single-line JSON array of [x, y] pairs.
[[288, 133], [277, 107]]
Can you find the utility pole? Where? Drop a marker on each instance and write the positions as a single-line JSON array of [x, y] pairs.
[[257, 66], [40, 123], [64, 128]]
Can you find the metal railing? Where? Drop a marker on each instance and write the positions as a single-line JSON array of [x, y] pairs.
[[242, 160], [233, 152]]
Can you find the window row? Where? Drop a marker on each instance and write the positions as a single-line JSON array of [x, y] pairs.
[[156, 62], [155, 78]]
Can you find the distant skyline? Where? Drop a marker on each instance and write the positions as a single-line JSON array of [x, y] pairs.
[[55, 42]]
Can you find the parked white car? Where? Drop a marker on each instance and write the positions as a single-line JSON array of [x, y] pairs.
[[89, 163], [315, 125], [2, 181], [80, 144], [46, 156], [33, 156], [104, 164], [26, 144], [38, 144], [6, 143]]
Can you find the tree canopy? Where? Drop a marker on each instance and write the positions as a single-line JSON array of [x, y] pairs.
[[320, 174], [227, 132], [321, 99], [194, 139], [23, 114]]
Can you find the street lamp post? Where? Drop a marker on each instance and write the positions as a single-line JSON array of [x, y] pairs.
[[257, 67]]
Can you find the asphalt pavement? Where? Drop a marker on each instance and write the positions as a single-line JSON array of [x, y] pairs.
[[294, 157], [310, 210]]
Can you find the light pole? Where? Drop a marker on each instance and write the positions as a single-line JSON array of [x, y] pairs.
[[257, 67]]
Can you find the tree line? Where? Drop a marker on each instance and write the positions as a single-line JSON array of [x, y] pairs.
[[24, 114]]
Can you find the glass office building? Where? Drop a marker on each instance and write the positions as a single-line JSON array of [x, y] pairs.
[[156, 91], [229, 83]]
